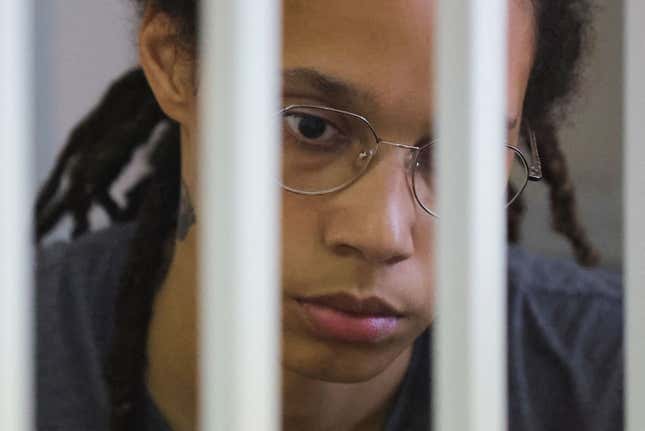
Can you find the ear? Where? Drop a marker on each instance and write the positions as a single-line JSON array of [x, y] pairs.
[[167, 66]]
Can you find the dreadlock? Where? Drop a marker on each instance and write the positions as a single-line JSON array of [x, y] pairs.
[[124, 373], [562, 34], [95, 154], [101, 146]]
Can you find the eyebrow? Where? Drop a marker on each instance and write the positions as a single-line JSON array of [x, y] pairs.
[[329, 86], [336, 88]]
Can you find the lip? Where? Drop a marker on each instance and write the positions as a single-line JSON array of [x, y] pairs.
[[347, 318], [368, 306]]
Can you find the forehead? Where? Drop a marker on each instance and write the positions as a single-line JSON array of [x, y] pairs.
[[384, 48]]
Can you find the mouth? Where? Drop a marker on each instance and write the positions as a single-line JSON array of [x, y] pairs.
[[347, 318]]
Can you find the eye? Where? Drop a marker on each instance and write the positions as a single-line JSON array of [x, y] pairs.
[[311, 129], [425, 160]]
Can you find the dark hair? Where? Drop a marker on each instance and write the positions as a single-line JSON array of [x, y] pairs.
[[104, 142]]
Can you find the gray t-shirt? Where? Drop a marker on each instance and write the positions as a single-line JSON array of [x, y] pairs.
[[565, 342]]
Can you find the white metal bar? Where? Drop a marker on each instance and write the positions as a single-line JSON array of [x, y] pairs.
[[16, 131], [239, 215], [635, 214], [470, 370]]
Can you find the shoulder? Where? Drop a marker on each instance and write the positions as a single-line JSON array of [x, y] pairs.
[[78, 279], [568, 305], [76, 284], [89, 250], [542, 275], [571, 307], [565, 343]]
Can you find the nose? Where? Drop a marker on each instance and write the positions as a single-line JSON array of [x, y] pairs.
[[374, 217]]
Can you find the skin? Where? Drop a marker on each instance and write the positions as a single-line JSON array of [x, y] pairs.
[[369, 239]]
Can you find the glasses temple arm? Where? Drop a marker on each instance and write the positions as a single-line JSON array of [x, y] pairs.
[[535, 168]]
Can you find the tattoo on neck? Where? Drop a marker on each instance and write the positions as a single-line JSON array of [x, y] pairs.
[[186, 218]]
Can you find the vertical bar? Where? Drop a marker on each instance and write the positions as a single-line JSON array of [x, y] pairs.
[[16, 132], [635, 214], [470, 371], [239, 214]]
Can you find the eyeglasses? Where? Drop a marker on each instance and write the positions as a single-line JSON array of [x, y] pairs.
[[325, 150]]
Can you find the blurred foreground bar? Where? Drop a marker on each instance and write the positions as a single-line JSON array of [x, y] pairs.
[[635, 214], [470, 342], [16, 137], [238, 217]]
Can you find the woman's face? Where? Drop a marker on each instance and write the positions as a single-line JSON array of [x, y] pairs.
[[370, 240]]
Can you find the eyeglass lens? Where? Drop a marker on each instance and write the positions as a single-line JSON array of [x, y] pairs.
[[325, 150], [425, 173]]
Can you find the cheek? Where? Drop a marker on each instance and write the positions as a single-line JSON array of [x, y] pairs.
[[520, 51], [300, 235], [424, 266]]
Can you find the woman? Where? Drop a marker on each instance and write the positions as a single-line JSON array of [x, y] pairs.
[[354, 236]]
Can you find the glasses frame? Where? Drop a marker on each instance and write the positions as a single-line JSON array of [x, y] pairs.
[[533, 169]]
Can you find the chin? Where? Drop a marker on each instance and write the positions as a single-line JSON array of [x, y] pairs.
[[337, 362]]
